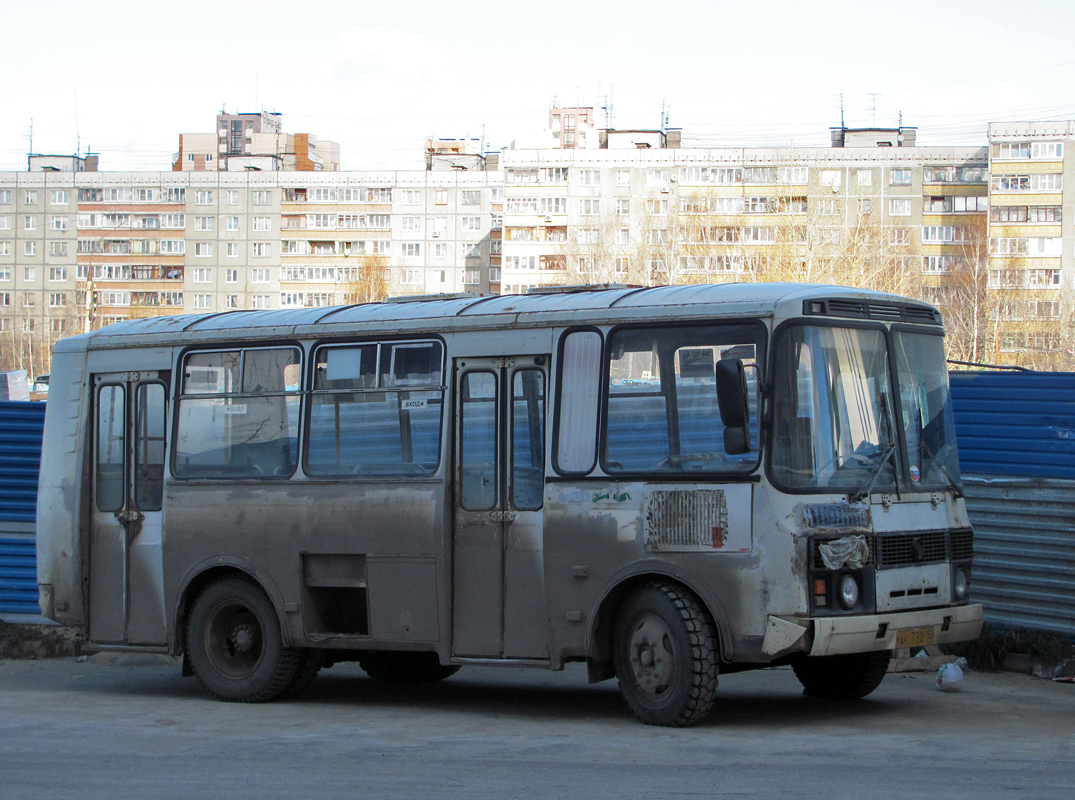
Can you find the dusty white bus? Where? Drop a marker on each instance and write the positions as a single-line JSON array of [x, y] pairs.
[[666, 483]]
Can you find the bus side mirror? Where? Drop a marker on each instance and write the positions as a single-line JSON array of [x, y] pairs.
[[732, 401]]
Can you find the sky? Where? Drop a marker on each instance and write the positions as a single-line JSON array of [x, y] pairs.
[[124, 79]]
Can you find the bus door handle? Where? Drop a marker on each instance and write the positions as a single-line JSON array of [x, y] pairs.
[[129, 515], [502, 516]]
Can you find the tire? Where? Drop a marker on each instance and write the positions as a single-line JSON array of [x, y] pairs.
[[845, 677], [404, 668], [665, 656], [309, 666], [234, 643]]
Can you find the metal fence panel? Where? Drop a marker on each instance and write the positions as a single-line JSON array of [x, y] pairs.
[[1015, 423], [1024, 551], [21, 426]]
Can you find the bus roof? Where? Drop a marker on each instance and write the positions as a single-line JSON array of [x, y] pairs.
[[576, 305]]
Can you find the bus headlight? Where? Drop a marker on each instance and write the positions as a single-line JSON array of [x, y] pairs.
[[960, 584], [848, 591]]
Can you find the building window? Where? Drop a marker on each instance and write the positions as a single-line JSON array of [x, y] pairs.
[[57, 248], [589, 177], [203, 197], [203, 249], [623, 177], [261, 249], [231, 301], [411, 197], [231, 276], [57, 274], [59, 197], [31, 198], [28, 300], [440, 250], [262, 197], [411, 249], [233, 197], [29, 248], [259, 301], [260, 276], [899, 207], [262, 224], [472, 197], [29, 223], [202, 301], [57, 300], [899, 177], [203, 275], [471, 223], [899, 237], [441, 197], [203, 223], [623, 236], [623, 207], [589, 207]]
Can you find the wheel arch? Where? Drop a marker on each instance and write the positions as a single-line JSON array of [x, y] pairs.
[[202, 575], [619, 587]]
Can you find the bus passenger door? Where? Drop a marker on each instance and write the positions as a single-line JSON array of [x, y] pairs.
[[498, 586], [126, 565]]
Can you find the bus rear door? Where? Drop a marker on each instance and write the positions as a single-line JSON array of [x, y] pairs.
[[125, 559]]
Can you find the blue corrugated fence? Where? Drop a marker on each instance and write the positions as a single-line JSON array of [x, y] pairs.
[[21, 426]]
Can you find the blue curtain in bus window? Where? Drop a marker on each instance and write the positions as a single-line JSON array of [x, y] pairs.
[[365, 422], [239, 421], [528, 439], [111, 423], [478, 434]]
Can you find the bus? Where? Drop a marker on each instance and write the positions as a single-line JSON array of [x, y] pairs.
[[665, 483]]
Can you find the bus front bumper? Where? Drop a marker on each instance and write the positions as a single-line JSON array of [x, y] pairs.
[[839, 635]]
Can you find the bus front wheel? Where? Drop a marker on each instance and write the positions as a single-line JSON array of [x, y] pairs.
[[843, 677], [234, 643], [665, 656]]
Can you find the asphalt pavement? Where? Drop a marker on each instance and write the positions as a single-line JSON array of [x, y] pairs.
[[129, 726]]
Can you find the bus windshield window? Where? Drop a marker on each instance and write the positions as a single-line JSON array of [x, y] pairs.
[[832, 410], [926, 409], [662, 399]]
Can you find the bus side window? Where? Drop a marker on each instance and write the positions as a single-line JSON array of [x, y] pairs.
[[580, 388]]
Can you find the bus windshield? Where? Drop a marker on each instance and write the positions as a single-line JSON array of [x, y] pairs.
[[833, 410], [835, 425], [926, 406]]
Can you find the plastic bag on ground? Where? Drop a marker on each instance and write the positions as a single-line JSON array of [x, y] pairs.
[[950, 676]]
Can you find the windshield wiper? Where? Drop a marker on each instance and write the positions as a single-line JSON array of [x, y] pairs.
[[886, 455], [956, 490]]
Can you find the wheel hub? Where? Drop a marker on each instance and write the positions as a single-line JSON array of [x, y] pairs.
[[652, 656], [242, 638]]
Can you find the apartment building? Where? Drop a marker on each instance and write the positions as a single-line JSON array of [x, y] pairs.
[[670, 215], [1030, 267], [254, 142], [79, 248]]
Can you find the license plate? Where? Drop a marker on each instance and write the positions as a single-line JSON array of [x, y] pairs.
[[915, 637]]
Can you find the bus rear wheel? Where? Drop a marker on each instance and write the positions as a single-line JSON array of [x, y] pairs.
[[665, 656], [843, 677], [234, 643], [403, 668]]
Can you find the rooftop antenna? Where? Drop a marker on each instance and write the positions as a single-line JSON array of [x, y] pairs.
[[873, 109], [256, 77], [842, 125], [78, 139], [31, 134]]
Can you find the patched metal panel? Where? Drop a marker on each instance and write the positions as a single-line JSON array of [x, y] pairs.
[[18, 576], [21, 427], [1015, 423], [683, 518], [1024, 551]]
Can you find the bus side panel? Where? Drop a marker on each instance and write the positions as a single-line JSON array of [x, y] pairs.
[[60, 497], [349, 564]]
